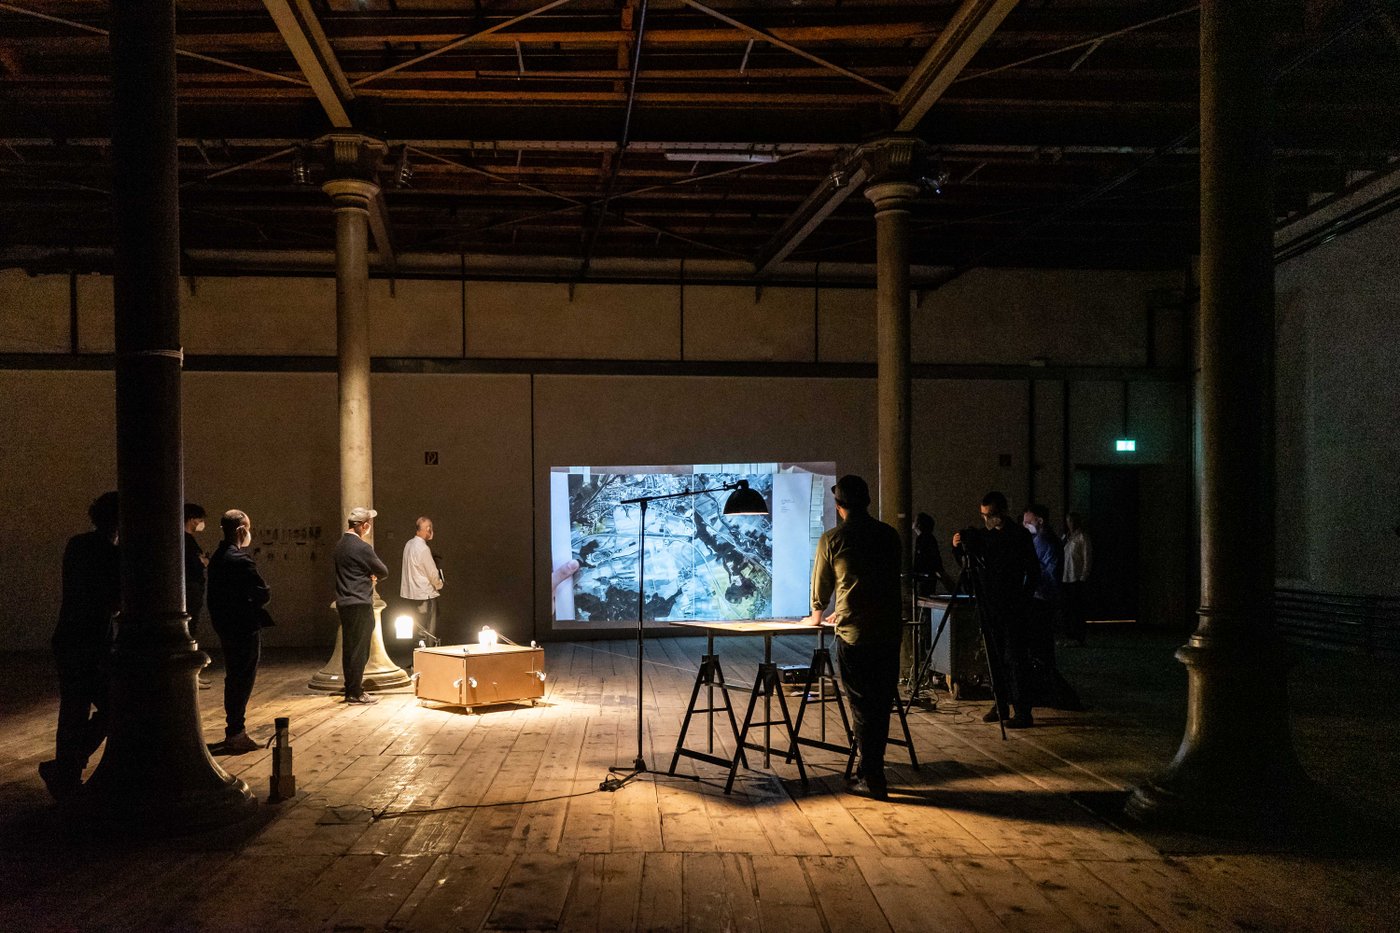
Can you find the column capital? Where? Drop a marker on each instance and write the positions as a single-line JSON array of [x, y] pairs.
[[896, 159], [351, 155]]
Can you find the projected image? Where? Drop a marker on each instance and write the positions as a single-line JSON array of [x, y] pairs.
[[700, 563]]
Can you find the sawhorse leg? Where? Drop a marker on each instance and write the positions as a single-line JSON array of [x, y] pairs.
[[821, 672], [765, 685], [710, 674]]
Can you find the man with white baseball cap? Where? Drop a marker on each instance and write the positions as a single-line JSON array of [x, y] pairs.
[[357, 568]]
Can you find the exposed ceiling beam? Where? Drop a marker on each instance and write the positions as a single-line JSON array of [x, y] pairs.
[[302, 32], [296, 21], [971, 26]]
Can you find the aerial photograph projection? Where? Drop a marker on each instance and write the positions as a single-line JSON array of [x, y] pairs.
[[700, 564]]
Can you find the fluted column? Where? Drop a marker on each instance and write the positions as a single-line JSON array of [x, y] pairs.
[[352, 161], [895, 166], [156, 775], [1235, 770]]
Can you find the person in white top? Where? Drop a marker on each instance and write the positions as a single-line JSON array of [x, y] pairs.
[[422, 580], [1079, 557]]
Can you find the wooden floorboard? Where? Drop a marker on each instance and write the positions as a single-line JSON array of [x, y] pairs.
[[422, 817]]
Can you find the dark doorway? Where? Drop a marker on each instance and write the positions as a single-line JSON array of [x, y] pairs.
[[1107, 496]]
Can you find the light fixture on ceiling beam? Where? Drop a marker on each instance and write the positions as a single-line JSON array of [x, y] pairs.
[[721, 155]]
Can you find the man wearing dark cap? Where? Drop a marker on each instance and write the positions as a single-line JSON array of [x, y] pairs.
[[858, 562], [357, 568]]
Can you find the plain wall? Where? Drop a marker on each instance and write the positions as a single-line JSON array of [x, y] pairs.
[[265, 441], [1338, 329]]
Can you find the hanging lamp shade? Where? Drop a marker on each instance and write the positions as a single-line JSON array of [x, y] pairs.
[[745, 501]]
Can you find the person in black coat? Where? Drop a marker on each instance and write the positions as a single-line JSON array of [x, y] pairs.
[[82, 643], [236, 597], [1002, 554]]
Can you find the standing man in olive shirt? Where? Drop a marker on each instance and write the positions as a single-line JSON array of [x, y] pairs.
[[858, 561], [357, 568]]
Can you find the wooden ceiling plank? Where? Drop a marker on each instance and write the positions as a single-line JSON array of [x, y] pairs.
[[461, 41], [787, 46]]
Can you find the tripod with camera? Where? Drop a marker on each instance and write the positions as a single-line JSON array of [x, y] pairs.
[[969, 585]]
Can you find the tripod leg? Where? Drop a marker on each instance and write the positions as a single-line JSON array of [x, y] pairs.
[[990, 644]]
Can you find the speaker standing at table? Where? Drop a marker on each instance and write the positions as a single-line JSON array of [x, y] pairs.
[[858, 562]]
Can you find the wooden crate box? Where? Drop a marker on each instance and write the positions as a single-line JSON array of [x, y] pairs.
[[474, 675]]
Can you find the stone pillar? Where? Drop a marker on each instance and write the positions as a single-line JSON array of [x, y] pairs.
[[353, 162], [894, 166], [1235, 770], [156, 775]]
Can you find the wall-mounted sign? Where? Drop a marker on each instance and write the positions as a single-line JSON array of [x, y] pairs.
[[430, 458]]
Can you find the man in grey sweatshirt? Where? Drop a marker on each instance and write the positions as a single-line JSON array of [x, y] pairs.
[[357, 568]]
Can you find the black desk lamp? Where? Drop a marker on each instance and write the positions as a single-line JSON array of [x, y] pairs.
[[742, 501]]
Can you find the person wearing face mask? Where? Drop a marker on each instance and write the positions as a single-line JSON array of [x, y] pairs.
[[858, 562], [1003, 554], [237, 595], [1051, 687], [195, 563], [82, 642]]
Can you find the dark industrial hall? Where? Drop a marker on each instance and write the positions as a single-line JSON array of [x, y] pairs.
[[699, 465]]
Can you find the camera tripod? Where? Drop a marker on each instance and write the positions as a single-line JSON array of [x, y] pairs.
[[969, 584]]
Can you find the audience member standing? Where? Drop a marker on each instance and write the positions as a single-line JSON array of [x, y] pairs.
[[858, 562], [1079, 561], [237, 595], [357, 568], [422, 580], [1002, 555], [82, 643], [1051, 687], [195, 564]]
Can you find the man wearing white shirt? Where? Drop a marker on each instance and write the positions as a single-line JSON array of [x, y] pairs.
[[1079, 556], [421, 578]]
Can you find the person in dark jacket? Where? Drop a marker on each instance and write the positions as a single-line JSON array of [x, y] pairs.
[[1046, 605], [928, 561], [237, 597], [858, 562], [82, 643], [195, 563], [1007, 570], [357, 568]]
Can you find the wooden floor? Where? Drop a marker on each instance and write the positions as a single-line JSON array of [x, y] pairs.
[[413, 818]]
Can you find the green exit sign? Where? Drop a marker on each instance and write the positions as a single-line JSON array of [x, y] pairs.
[[1125, 445]]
